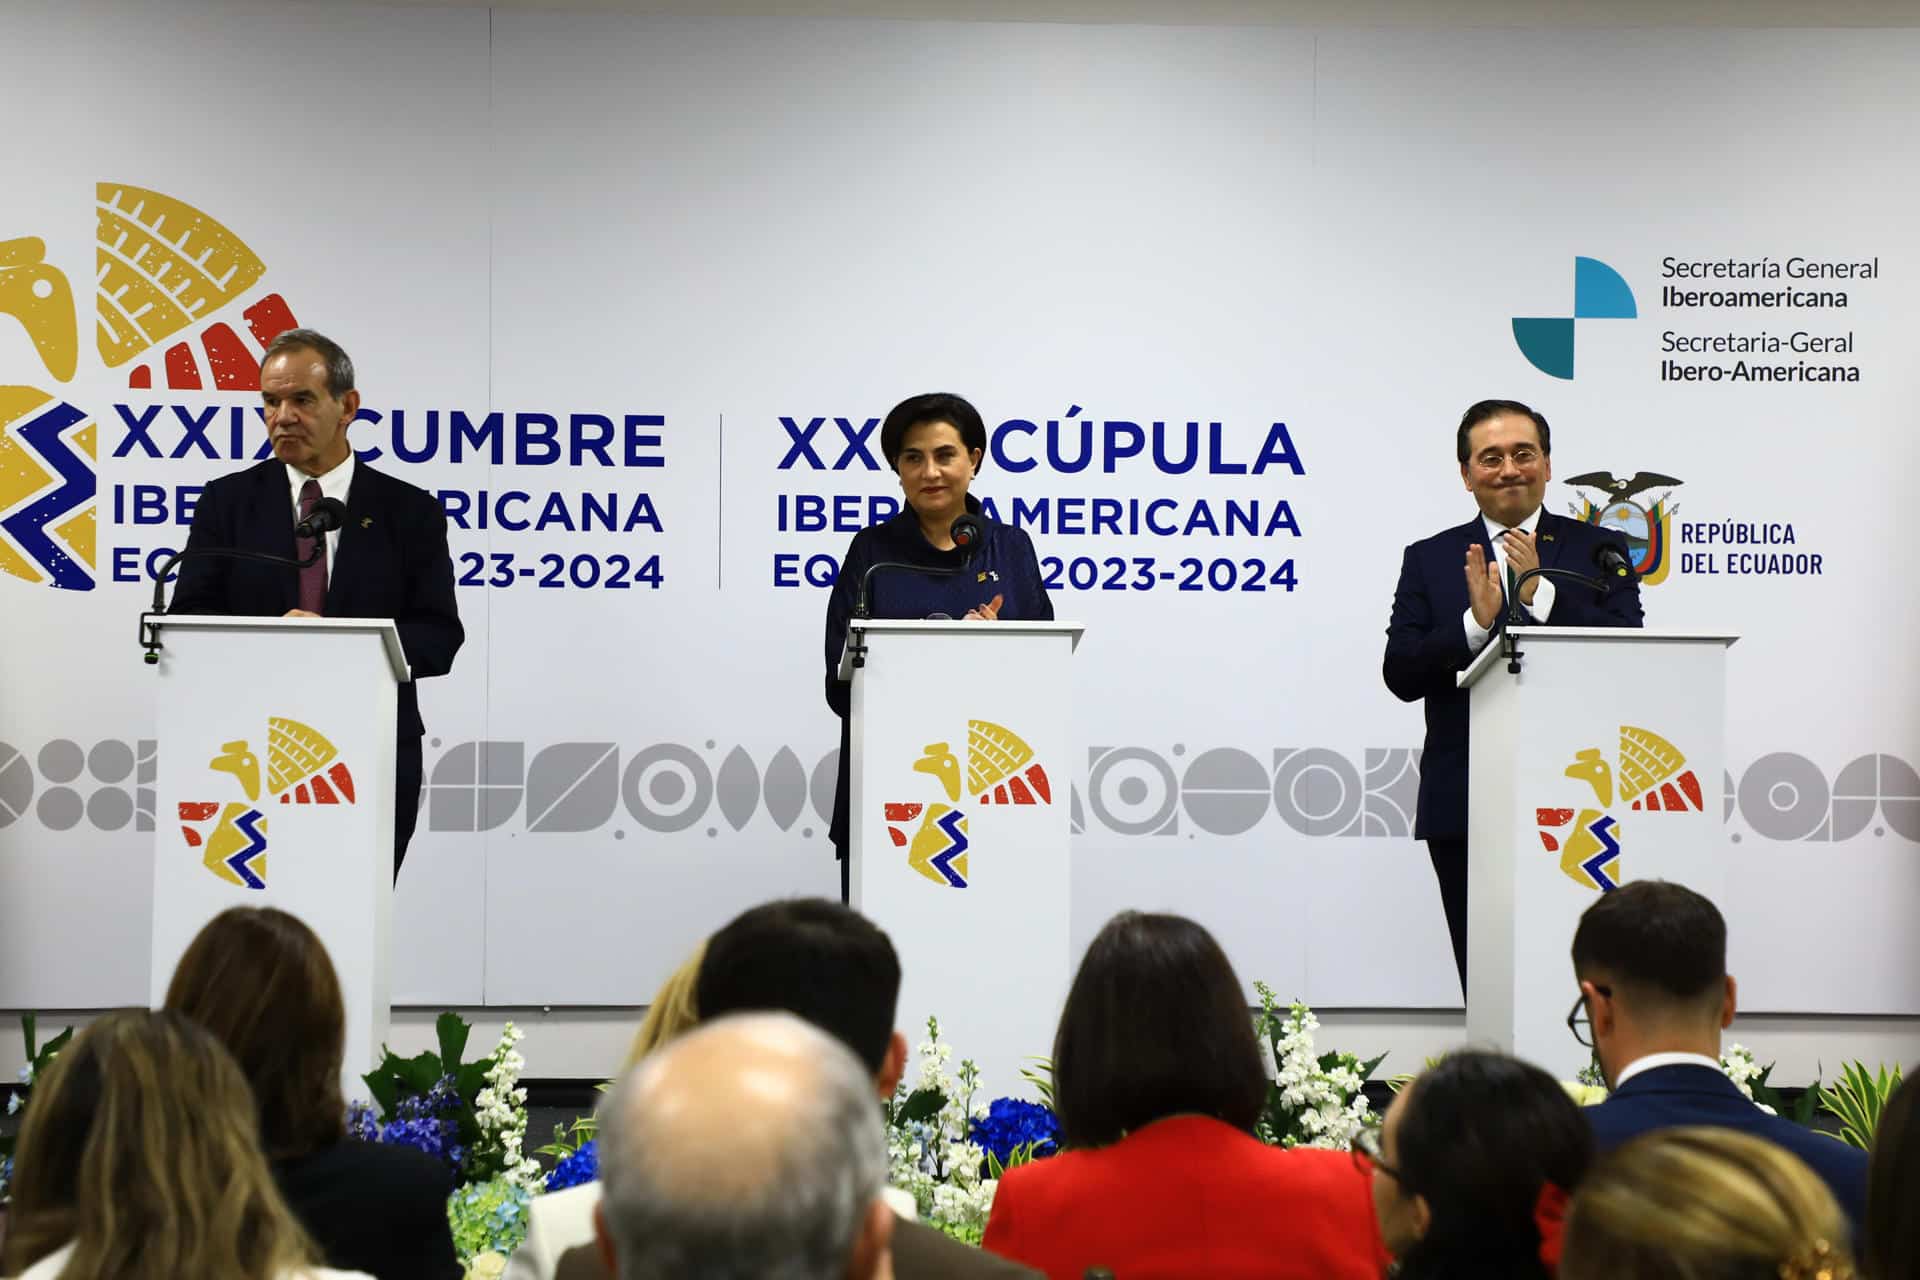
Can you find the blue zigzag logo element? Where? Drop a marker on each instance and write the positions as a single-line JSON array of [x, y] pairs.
[[27, 526], [1602, 828], [1599, 293], [241, 863], [952, 824]]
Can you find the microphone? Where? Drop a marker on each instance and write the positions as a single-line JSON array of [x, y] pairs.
[[325, 516], [966, 532], [1614, 566]]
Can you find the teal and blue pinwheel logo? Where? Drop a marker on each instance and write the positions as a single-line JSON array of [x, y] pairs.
[[1599, 293]]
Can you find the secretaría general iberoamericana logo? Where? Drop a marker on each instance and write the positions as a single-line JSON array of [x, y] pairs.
[[1646, 525], [302, 768], [1651, 776], [165, 272], [1001, 769], [1599, 293]]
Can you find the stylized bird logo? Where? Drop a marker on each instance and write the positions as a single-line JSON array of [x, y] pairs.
[[1624, 489]]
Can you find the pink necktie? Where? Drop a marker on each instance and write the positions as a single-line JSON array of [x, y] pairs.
[[313, 578]]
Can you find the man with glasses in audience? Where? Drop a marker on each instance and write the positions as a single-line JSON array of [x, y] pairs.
[[1655, 994], [1452, 600]]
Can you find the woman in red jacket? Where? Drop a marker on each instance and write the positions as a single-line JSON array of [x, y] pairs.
[[1157, 1083]]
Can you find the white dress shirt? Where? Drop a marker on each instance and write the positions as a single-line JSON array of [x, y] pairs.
[[1653, 1060], [334, 484], [1542, 588]]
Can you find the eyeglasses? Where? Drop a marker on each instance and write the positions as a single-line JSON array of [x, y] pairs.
[[1365, 1144], [1579, 1021], [1523, 455]]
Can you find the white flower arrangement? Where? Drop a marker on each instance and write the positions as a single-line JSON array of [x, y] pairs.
[[501, 1112], [1738, 1064], [1313, 1100], [929, 1152]]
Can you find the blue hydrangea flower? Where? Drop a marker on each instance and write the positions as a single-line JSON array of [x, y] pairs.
[[1015, 1122], [582, 1166]]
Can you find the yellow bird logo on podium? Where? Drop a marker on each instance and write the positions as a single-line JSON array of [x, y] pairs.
[[1651, 775], [302, 767], [1000, 769]]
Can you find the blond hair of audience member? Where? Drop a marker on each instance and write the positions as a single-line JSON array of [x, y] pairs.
[[1704, 1204], [672, 1012], [140, 1156], [750, 1147]]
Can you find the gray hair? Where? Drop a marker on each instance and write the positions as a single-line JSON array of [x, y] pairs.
[[339, 363], [718, 1187]]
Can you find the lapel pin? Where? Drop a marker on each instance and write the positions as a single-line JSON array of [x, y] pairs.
[[1546, 537], [981, 576], [366, 522]]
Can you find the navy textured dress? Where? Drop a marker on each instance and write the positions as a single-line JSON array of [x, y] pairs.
[[1005, 556]]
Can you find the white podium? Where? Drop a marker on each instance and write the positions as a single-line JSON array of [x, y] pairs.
[[276, 789], [958, 827], [1601, 761]]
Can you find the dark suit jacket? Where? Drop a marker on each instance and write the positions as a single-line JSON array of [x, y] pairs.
[[1427, 644], [374, 1208], [1666, 1097], [1190, 1196], [392, 562]]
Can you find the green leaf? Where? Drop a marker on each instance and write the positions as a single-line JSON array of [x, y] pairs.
[[51, 1050], [453, 1031], [921, 1104], [419, 1073], [471, 1078], [1857, 1099], [27, 1021], [383, 1088], [1368, 1067]]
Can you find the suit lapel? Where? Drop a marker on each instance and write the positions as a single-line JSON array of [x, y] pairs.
[[1550, 539], [359, 508], [270, 526]]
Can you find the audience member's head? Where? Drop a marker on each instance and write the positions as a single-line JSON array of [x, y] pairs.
[[260, 980], [141, 1147], [748, 1147], [1704, 1204], [819, 960], [1892, 1246], [1651, 961], [1156, 1024], [1465, 1152], [672, 1012]]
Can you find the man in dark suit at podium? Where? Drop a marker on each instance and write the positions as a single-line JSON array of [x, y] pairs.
[[388, 560], [1452, 599]]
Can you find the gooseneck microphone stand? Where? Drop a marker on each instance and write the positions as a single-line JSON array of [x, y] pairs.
[[1516, 614], [150, 633]]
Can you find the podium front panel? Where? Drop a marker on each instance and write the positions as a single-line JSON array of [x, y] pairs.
[[1601, 762], [959, 833], [276, 789]]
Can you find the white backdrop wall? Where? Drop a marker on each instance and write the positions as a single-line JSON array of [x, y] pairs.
[[719, 250]]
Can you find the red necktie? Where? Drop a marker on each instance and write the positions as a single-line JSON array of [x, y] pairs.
[[313, 578]]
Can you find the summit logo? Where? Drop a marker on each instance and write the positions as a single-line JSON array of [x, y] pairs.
[[163, 270], [1599, 293]]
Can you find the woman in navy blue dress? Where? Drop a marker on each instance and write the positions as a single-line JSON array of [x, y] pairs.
[[935, 444]]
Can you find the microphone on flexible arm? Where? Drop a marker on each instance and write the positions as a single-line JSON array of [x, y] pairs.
[[966, 532], [1614, 566], [321, 519], [1608, 558]]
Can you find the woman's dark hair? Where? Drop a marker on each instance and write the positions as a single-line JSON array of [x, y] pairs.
[[1156, 1024], [260, 980], [1892, 1244], [1479, 1134], [935, 406]]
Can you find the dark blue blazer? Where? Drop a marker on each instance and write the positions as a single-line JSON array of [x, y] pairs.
[[1427, 644], [392, 562], [1003, 565], [1666, 1097]]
